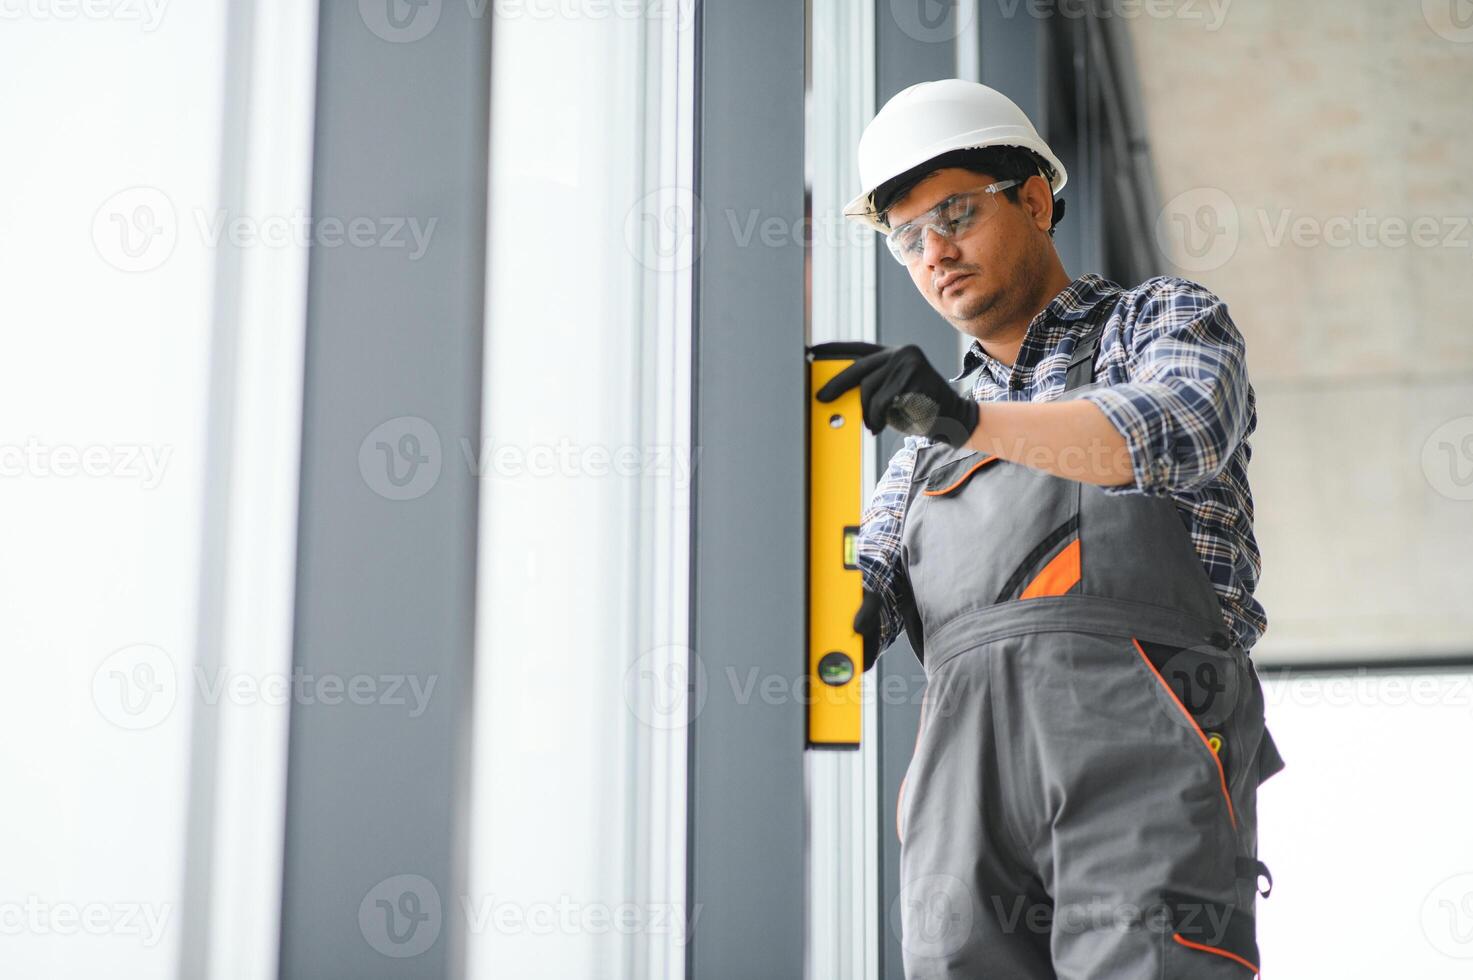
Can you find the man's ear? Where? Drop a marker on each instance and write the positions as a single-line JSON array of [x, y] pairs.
[[1037, 198]]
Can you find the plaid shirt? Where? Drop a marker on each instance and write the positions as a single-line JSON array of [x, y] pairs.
[[1176, 387]]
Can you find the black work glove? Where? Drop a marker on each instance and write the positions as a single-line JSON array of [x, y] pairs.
[[867, 625], [898, 387]]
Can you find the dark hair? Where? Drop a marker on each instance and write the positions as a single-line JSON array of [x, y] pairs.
[[998, 162]]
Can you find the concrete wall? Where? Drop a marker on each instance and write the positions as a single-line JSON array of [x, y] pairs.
[[1314, 160]]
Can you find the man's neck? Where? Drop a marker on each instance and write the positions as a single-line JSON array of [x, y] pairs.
[[1005, 343]]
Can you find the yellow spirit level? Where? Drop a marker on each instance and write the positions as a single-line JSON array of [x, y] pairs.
[[835, 651]]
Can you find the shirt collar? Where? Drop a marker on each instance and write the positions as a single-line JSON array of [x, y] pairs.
[[1072, 305]]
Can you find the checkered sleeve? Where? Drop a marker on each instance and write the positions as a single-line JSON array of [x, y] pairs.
[[1186, 403], [879, 538]]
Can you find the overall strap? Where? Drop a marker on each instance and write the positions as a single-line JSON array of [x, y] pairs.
[[1082, 362]]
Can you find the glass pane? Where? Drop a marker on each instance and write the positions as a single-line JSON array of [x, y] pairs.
[[105, 243], [578, 800], [1366, 828]]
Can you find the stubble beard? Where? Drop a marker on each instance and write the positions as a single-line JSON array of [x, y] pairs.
[[990, 316]]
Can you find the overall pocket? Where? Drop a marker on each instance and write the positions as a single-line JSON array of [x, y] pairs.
[[951, 477], [1205, 939], [1200, 688]]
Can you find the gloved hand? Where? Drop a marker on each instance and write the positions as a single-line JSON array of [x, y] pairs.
[[898, 387], [867, 625]]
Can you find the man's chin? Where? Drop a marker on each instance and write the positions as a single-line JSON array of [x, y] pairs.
[[967, 308]]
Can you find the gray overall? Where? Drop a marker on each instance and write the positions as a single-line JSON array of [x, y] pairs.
[[1081, 801]]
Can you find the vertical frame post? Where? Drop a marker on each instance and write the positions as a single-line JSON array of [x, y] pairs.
[[375, 842], [746, 812]]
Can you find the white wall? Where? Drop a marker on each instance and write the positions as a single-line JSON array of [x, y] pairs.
[[1350, 120]]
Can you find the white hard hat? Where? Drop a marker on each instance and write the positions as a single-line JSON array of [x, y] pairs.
[[932, 118]]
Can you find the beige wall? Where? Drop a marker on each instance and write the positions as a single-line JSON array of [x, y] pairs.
[[1361, 354]]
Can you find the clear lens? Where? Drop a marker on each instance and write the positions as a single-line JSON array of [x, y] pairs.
[[951, 219]]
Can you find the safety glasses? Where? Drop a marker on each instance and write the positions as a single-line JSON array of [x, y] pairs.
[[951, 219]]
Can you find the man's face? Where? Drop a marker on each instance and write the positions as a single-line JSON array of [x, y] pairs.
[[981, 279]]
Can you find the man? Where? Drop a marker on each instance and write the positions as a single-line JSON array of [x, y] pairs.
[[1070, 550]]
